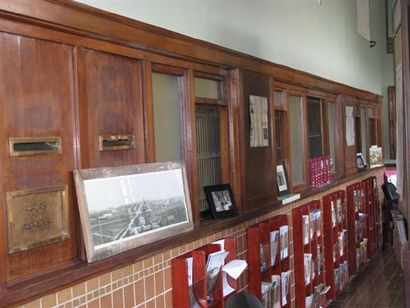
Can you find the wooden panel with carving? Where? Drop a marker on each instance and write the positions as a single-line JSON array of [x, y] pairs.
[[37, 100], [110, 105]]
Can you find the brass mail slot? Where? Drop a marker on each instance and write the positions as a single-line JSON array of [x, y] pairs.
[[31, 146], [116, 142]]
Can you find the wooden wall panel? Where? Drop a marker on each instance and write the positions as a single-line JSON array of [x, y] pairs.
[[349, 151], [110, 104], [37, 100], [259, 174]]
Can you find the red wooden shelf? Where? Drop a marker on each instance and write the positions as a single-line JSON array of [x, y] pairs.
[[307, 243], [260, 265], [183, 294]]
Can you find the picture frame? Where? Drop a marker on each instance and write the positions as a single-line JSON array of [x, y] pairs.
[[282, 179], [125, 207], [375, 156], [360, 162], [221, 201]]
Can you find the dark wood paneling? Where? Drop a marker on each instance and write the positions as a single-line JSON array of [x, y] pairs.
[[110, 104], [339, 140], [37, 100], [259, 175], [349, 151]]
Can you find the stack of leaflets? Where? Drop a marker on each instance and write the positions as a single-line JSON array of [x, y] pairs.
[[339, 211], [305, 222], [308, 267], [284, 241], [332, 208], [263, 257], [274, 244], [285, 283], [271, 293]]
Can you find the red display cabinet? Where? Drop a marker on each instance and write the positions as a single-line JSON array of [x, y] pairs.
[[189, 289], [308, 255], [268, 259], [336, 231]]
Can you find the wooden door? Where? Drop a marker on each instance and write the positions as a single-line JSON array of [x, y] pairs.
[[37, 157], [112, 124]]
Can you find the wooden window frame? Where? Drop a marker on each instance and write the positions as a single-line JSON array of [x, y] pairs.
[[225, 133], [305, 184], [285, 127], [326, 99], [323, 126]]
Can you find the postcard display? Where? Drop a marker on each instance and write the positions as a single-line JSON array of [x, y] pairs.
[[310, 287], [335, 229], [374, 212], [268, 258], [207, 276], [363, 223]]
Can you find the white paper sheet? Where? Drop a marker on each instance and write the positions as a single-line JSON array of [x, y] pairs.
[[235, 268], [216, 260], [350, 133], [227, 289], [221, 243], [189, 262]]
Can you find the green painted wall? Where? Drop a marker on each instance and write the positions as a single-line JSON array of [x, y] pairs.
[[317, 38]]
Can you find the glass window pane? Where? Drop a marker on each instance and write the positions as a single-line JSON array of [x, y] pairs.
[[167, 117], [314, 126], [208, 126], [206, 88], [296, 138], [331, 109], [278, 99]]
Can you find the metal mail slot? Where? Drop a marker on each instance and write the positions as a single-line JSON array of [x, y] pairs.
[[32, 146], [116, 142]]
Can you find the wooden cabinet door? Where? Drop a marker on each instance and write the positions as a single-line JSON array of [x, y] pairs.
[[36, 107], [110, 105], [350, 147]]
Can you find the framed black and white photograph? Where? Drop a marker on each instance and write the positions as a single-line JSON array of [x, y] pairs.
[[129, 206], [220, 200], [282, 179], [360, 161]]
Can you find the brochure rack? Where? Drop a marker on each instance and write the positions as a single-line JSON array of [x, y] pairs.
[[357, 212], [336, 232], [190, 287], [308, 255], [374, 216], [268, 259]]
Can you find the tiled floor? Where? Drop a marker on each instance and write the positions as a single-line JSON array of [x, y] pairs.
[[380, 285]]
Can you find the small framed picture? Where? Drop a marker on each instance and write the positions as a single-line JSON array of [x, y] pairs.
[[360, 161], [220, 200], [282, 179]]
